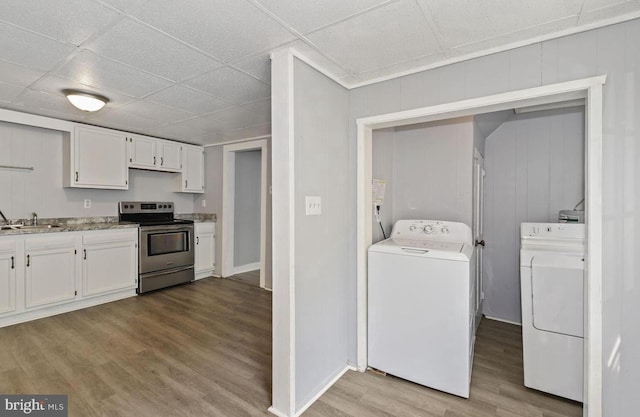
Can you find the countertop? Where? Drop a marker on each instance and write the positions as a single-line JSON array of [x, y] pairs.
[[79, 224]]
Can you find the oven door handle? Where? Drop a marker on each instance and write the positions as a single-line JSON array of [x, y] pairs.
[[166, 271]]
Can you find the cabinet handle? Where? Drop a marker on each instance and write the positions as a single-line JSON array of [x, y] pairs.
[[85, 253], [186, 182], [13, 263], [197, 240], [28, 260], [161, 160], [76, 176], [154, 160]]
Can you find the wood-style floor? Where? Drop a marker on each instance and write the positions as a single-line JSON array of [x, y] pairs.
[[250, 277], [204, 349]]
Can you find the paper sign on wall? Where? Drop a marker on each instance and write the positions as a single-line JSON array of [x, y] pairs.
[[378, 191]]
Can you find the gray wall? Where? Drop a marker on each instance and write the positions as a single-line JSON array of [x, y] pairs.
[[213, 161], [428, 169], [613, 51], [534, 167], [40, 190], [246, 228], [322, 251]]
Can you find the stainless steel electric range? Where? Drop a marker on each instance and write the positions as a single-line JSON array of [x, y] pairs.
[[165, 244]]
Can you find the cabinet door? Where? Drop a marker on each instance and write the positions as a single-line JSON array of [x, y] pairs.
[[142, 152], [205, 247], [7, 277], [170, 156], [50, 270], [100, 158], [193, 169], [109, 262]]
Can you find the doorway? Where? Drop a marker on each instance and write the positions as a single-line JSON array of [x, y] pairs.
[[588, 89], [243, 235]]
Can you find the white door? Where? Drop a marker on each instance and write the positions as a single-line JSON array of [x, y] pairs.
[[170, 156], [142, 152], [109, 263], [50, 265], [478, 228], [205, 247], [100, 158], [7, 278], [194, 169]]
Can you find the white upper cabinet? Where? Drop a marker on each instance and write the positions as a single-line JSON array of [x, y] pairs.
[[155, 154], [170, 155], [192, 179], [95, 158]]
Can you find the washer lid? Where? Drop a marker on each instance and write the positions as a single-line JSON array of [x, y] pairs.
[[457, 251]]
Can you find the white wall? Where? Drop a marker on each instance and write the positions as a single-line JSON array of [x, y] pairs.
[[41, 191], [246, 228], [321, 242], [534, 167], [612, 51], [428, 169]]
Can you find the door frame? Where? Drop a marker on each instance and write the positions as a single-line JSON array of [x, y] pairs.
[[228, 203], [589, 89]]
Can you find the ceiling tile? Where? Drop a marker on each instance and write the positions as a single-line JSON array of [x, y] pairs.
[[249, 132], [597, 10], [259, 66], [308, 15], [122, 5], [374, 39], [93, 70], [18, 75], [178, 131], [8, 92], [462, 22], [72, 21], [54, 84], [230, 85], [140, 46], [124, 120], [155, 111], [29, 49], [188, 99], [38, 100], [591, 5], [245, 115], [226, 29]]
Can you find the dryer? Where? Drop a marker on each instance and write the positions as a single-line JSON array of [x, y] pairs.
[[552, 299], [421, 299]]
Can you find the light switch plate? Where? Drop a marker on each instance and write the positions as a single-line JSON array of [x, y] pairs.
[[313, 205]]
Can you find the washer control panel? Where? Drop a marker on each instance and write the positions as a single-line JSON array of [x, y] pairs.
[[432, 230]]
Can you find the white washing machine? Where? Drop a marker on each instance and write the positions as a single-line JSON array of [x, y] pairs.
[[552, 290], [420, 297]]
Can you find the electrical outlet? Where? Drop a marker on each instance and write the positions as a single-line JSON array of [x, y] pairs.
[[204, 203], [87, 203], [313, 205]]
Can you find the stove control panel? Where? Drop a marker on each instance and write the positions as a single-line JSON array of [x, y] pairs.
[[138, 207]]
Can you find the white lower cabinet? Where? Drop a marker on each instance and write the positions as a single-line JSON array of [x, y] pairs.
[[8, 265], [109, 261], [50, 270], [50, 273], [205, 258]]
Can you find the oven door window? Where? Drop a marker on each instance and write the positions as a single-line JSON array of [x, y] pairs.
[[167, 242]]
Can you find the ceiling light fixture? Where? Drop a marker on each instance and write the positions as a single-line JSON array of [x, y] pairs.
[[84, 101]]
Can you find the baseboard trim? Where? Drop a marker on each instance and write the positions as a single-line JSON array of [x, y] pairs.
[[204, 274], [246, 268], [323, 390], [276, 412], [502, 320]]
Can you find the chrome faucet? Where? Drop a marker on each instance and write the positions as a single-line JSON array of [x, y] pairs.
[[35, 218], [3, 217]]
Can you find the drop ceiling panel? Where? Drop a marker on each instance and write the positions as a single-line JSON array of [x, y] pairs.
[[230, 85], [258, 66], [188, 99], [226, 29], [158, 112], [462, 22], [140, 46], [18, 75], [124, 120], [93, 70], [374, 39], [8, 92], [72, 21], [39, 101], [249, 132], [123, 5], [30, 49], [305, 16], [179, 131], [250, 114]]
